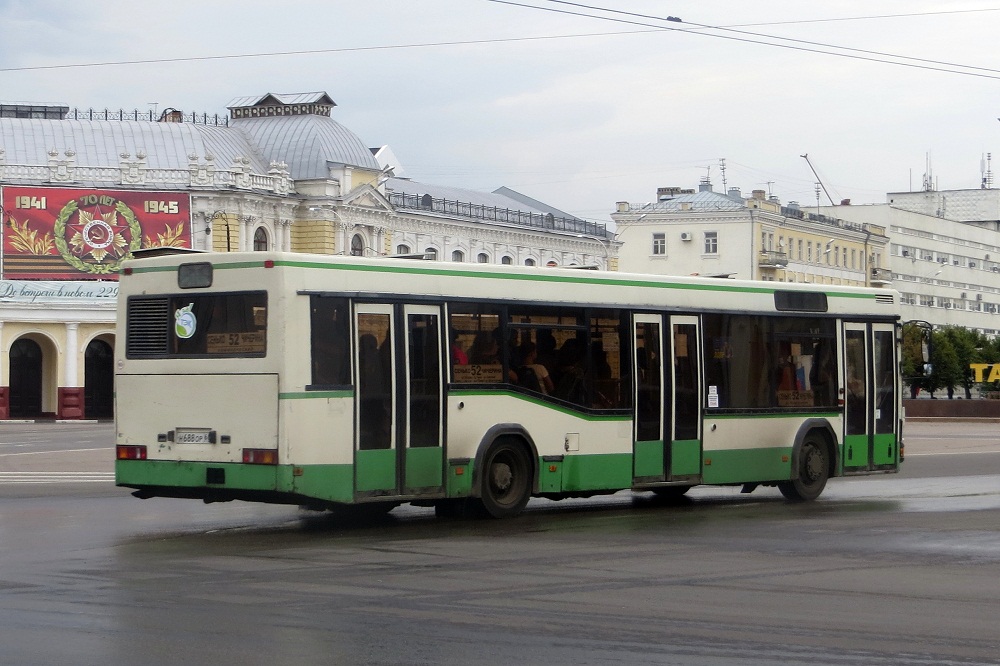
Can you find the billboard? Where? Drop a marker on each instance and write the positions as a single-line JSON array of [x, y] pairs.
[[74, 234]]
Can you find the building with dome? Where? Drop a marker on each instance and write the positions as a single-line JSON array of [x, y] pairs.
[[80, 191]]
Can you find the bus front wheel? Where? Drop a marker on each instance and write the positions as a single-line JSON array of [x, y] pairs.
[[506, 479], [813, 472]]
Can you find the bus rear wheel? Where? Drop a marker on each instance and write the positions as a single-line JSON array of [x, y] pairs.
[[506, 479], [813, 472]]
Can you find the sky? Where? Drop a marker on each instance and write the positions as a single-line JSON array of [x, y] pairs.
[[573, 105]]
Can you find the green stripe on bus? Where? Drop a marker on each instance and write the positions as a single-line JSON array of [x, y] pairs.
[[607, 471], [308, 395], [772, 415], [747, 465], [184, 474], [613, 282], [334, 483], [459, 393], [494, 275]]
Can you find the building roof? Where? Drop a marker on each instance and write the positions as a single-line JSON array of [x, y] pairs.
[[308, 144], [535, 204], [706, 201], [306, 140], [102, 143], [448, 193], [283, 99]]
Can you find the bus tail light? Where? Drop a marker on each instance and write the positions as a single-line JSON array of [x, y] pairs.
[[123, 452], [260, 456]]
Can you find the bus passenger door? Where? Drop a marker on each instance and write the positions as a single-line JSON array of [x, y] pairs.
[[685, 439], [399, 437], [375, 404], [870, 397], [650, 460], [423, 397]]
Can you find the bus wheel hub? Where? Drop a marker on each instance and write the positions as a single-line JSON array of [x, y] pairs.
[[501, 476]]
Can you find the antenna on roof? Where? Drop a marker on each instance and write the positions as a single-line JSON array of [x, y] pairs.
[[722, 168], [985, 168]]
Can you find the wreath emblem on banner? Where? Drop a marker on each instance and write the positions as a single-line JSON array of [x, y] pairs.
[[96, 240]]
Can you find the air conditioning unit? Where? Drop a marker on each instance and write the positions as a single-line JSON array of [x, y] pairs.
[[979, 297], [996, 269], [972, 264], [906, 253], [947, 306], [686, 235], [955, 262]]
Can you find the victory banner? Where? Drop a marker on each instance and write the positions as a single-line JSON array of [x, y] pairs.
[[72, 234]]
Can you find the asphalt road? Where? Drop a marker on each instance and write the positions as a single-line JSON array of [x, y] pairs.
[[902, 569]]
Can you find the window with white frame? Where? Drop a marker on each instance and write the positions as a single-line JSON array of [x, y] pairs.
[[711, 242], [659, 243]]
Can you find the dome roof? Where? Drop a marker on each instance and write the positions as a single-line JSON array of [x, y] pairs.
[[307, 143]]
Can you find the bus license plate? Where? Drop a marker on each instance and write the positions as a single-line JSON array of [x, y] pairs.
[[192, 436]]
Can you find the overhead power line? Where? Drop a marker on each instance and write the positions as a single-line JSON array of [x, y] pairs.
[[346, 49], [688, 27], [678, 25]]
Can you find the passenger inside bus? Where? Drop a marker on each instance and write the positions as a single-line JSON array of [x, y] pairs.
[[530, 373]]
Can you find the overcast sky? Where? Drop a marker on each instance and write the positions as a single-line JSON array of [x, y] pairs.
[[576, 111]]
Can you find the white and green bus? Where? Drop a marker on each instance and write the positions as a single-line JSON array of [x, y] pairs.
[[334, 381]]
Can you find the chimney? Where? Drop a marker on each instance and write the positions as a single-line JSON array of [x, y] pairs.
[[735, 194], [171, 116], [758, 195]]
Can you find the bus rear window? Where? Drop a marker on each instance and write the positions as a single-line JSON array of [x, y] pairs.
[[231, 324]]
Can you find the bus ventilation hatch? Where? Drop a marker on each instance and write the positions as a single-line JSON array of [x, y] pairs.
[[147, 328]]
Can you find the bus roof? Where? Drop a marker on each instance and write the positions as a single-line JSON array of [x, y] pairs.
[[364, 276]]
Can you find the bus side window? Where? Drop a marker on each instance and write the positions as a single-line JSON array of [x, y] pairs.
[[330, 341]]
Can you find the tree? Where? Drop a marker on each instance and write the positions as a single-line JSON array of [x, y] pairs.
[[967, 345], [946, 372]]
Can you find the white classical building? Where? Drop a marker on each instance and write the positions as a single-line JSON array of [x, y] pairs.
[[944, 253], [685, 232], [80, 191]]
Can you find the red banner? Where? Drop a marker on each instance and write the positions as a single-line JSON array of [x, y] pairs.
[[56, 233]]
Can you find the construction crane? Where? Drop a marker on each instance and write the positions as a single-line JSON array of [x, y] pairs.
[[806, 158]]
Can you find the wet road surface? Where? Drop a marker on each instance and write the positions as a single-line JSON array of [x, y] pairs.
[[903, 569]]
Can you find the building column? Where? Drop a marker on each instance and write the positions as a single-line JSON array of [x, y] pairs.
[[4, 390], [71, 395], [246, 234]]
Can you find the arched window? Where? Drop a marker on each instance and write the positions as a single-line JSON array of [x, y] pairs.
[[529, 262], [357, 246], [402, 249], [458, 255], [551, 263], [431, 253], [260, 240], [507, 260], [483, 258]]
